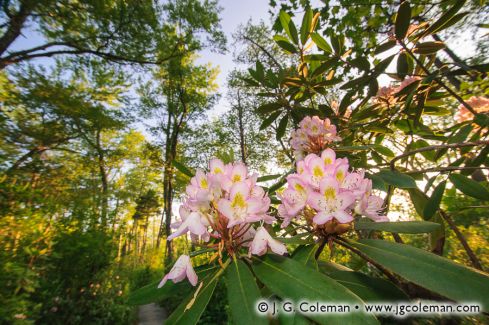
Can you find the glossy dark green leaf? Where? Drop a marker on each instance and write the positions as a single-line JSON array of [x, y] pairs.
[[282, 126], [403, 227], [292, 280], [385, 46], [268, 108], [461, 134], [369, 288], [469, 187], [321, 43], [192, 307], [397, 179], [293, 319], [243, 294], [428, 270], [268, 177], [402, 65], [428, 47], [434, 201], [305, 254], [403, 20], [183, 169], [306, 25], [384, 151], [288, 26], [269, 120]]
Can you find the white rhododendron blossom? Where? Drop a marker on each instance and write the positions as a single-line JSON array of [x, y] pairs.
[[219, 210], [312, 136]]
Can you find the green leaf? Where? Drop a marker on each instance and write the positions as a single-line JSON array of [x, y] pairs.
[[184, 170], [268, 108], [151, 293], [428, 47], [403, 19], [260, 71], [269, 120], [290, 279], [444, 19], [297, 239], [288, 47], [385, 46], [306, 25], [282, 126], [293, 319], [377, 182], [461, 135], [369, 288], [428, 270], [288, 26], [384, 151], [305, 255], [337, 41], [243, 294], [267, 177], [469, 187], [397, 179], [403, 227], [192, 307], [402, 65], [321, 43], [434, 201]]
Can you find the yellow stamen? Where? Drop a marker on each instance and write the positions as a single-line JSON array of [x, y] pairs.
[[318, 172], [238, 201], [330, 193], [340, 175], [203, 183]]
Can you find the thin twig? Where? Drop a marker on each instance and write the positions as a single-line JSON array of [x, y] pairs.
[[435, 147], [473, 258]]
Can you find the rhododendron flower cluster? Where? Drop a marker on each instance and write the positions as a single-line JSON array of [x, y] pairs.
[[313, 135], [478, 103], [219, 211], [328, 195], [387, 94]]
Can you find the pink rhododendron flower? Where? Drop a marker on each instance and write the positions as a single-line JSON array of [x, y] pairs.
[[330, 203], [479, 104], [313, 136], [181, 270], [326, 193], [218, 211], [263, 241]]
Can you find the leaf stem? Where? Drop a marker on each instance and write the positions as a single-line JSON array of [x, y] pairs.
[[343, 242]]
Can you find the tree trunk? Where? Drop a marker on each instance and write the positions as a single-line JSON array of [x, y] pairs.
[[105, 183], [242, 143]]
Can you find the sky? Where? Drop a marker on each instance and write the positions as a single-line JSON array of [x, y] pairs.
[[234, 13]]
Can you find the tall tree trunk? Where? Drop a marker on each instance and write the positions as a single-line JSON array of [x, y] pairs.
[[105, 183], [242, 143]]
